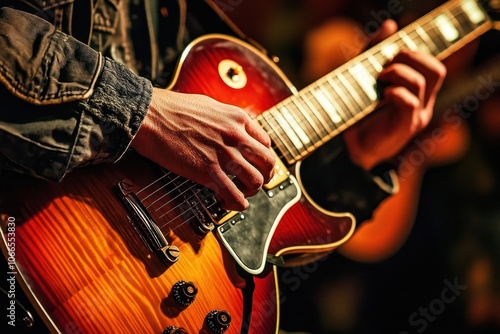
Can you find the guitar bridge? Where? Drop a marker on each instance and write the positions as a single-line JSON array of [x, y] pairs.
[[145, 224]]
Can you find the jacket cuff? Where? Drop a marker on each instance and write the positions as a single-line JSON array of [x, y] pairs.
[[112, 117], [361, 191], [345, 186]]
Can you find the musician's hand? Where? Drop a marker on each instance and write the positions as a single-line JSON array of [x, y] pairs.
[[413, 80], [203, 140]]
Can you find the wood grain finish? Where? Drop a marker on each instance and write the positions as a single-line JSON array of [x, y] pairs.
[[85, 265], [88, 271]]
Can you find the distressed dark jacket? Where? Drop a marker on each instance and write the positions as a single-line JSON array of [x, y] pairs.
[[77, 78]]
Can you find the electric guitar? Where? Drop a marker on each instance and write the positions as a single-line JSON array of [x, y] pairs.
[[133, 248]]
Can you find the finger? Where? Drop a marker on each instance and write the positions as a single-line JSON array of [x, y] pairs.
[[246, 177], [409, 109], [226, 191], [399, 74], [257, 132], [432, 69], [261, 157]]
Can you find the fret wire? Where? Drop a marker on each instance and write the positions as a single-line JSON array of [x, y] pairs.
[[424, 33], [334, 101], [352, 92], [408, 41], [362, 101], [362, 97], [297, 119], [427, 40], [322, 103], [299, 139], [287, 145], [264, 122], [317, 113], [369, 65], [374, 73], [373, 69], [312, 119], [349, 106], [375, 63], [438, 38], [358, 76], [463, 20], [447, 29], [304, 119], [428, 47], [453, 19]]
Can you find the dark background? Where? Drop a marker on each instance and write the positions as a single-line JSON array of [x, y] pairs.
[[455, 239]]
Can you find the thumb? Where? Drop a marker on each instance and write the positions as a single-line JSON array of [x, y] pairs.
[[387, 28]]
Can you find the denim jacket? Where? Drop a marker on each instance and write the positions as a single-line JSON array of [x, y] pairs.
[[74, 92]]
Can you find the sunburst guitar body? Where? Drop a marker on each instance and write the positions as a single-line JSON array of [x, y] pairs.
[[133, 248]]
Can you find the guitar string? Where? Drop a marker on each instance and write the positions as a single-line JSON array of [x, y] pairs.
[[181, 193], [178, 186], [159, 188], [185, 221], [149, 185], [376, 54], [183, 213], [169, 192], [427, 23]]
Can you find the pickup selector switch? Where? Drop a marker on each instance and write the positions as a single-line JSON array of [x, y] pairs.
[[218, 321], [184, 292]]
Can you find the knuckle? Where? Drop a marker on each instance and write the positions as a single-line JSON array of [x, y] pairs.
[[214, 172], [270, 161], [414, 104], [420, 82], [240, 115]]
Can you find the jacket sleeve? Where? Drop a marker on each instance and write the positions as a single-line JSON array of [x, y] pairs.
[[339, 185], [63, 104], [361, 192]]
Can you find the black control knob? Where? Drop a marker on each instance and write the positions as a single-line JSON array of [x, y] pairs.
[[218, 321], [174, 330], [184, 292]]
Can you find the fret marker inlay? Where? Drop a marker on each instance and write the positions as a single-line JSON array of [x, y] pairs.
[[292, 129], [324, 109], [473, 11], [446, 27], [390, 50], [365, 80], [327, 106]]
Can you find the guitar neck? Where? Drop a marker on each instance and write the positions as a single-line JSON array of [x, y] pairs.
[[303, 122]]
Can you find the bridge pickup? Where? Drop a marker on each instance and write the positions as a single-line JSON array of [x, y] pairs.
[[145, 224]]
